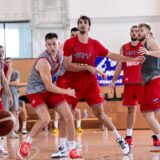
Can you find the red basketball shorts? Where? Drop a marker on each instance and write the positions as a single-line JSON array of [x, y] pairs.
[[151, 96]]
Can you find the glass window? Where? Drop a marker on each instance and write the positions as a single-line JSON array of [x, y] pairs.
[[1, 34], [17, 40]]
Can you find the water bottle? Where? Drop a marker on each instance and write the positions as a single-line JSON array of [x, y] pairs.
[[85, 113]]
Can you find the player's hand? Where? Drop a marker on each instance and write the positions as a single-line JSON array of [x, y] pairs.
[[103, 75], [111, 87], [143, 51], [91, 69], [71, 92], [140, 59], [10, 100]]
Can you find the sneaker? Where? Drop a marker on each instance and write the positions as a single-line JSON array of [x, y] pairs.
[[123, 145], [128, 139], [13, 135], [3, 151], [62, 152], [24, 131], [155, 140], [55, 131], [73, 154], [24, 150], [79, 130]]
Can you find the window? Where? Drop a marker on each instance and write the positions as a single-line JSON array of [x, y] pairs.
[[1, 35], [16, 39]]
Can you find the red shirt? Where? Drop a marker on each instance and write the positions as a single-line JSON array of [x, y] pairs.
[[84, 54], [132, 70], [5, 69]]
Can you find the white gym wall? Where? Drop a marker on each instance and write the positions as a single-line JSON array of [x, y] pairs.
[[111, 19]]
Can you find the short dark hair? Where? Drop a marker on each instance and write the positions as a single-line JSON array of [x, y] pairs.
[[50, 36], [135, 26], [84, 18], [74, 29], [1, 46], [145, 25], [8, 58]]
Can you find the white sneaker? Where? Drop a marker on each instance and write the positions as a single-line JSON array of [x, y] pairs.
[[13, 135], [3, 151], [62, 152], [24, 131], [123, 145]]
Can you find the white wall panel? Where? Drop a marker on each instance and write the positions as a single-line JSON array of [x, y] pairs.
[[15, 10], [114, 8]]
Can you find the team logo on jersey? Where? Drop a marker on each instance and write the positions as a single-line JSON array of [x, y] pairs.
[[156, 101], [33, 101], [81, 55]]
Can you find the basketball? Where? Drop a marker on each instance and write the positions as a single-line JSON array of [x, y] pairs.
[[7, 122]]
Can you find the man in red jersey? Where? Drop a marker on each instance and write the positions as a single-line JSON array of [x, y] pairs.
[[79, 60], [132, 80]]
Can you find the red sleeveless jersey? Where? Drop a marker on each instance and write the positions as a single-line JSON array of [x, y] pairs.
[[132, 70]]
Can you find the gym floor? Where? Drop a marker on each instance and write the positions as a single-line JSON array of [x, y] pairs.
[[96, 145]]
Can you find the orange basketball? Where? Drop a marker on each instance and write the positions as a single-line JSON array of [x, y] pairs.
[[7, 122]]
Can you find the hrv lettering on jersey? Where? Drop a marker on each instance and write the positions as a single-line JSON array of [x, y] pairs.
[[132, 52], [81, 55]]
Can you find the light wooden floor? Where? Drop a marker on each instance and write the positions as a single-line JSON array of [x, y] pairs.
[[97, 145]]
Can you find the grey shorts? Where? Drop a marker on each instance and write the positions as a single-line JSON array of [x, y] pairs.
[[15, 96]]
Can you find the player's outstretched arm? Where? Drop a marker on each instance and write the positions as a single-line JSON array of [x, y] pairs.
[[121, 58]]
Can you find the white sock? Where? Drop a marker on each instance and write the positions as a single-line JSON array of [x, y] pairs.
[[129, 132], [78, 122], [62, 142], [116, 133], [71, 145], [29, 139], [158, 136], [24, 125], [55, 124]]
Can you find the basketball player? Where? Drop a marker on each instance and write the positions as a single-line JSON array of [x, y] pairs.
[[132, 80], [150, 105], [14, 82], [42, 93], [4, 85], [80, 55], [74, 32]]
